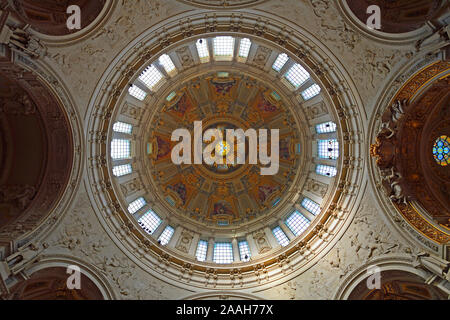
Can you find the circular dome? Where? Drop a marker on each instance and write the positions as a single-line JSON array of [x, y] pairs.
[[410, 149], [160, 212]]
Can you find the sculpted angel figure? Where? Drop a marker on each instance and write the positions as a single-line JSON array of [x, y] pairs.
[[397, 110]]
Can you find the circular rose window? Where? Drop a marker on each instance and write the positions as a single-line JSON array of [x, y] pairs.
[[441, 150]]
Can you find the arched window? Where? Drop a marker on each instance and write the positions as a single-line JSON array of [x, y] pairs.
[[441, 150], [150, 222]]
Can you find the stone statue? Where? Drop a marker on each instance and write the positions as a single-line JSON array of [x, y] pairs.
[[386, 131], [397, 110]]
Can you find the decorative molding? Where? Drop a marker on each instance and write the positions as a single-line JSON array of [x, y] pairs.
[[147, 47]]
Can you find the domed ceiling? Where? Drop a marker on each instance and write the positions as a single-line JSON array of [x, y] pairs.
[[225, 215], [224, 194]]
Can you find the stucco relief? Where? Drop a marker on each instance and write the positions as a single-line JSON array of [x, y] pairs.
[[367, 238], [369, 64], [80, 235]]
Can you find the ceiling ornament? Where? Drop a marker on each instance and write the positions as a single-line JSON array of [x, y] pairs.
[[224, 194], [224, 4], [42, 204]]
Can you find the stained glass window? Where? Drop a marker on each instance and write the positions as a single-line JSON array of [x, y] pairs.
[[441, 150]]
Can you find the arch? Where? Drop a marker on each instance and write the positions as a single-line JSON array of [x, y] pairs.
[[222, 295], [390, 268], [38, 156], [48, 98], [98, 286]]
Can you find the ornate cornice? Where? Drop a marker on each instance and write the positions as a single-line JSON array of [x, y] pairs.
[[339, 91]]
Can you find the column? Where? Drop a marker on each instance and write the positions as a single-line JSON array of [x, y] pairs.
[[252, 245], [173, 241], [193, 248], [236, 255], [304, 212]]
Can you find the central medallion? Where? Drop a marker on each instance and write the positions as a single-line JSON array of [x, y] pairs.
[[226, 193], [222, 148]]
